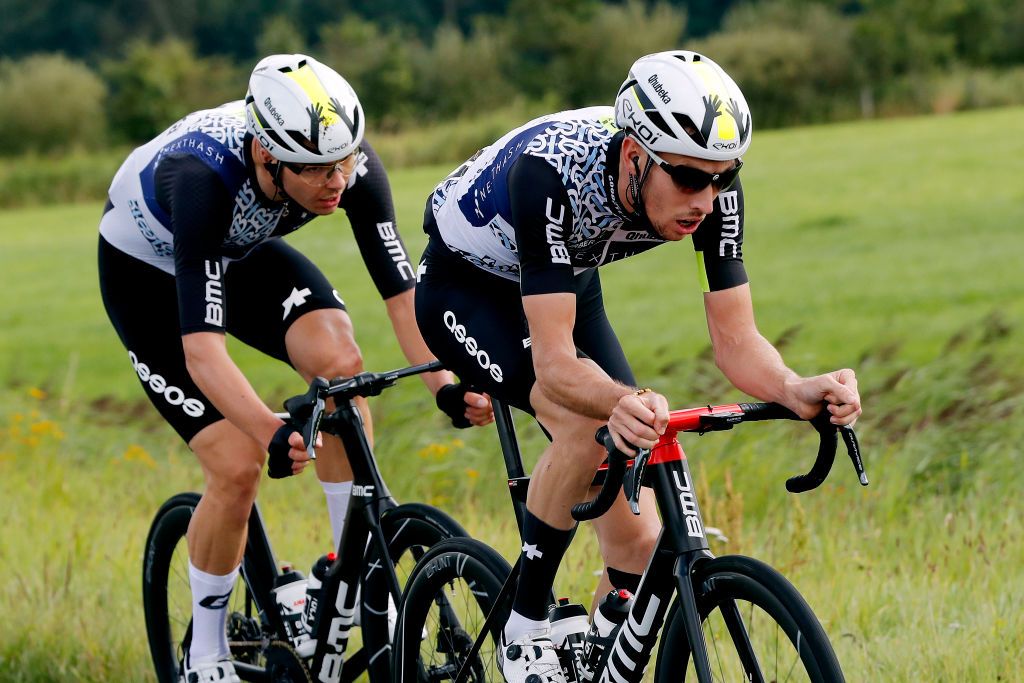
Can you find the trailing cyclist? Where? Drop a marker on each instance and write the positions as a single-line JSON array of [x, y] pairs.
[[189, 250], [509, 297]]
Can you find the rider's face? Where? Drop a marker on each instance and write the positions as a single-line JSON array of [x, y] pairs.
[[319, 199], [674, 211]]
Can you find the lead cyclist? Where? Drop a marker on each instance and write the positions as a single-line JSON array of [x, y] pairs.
[[510, 298]]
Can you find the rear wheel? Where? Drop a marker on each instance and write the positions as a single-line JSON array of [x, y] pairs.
[[757, 628], [446, 602], [167, 597]]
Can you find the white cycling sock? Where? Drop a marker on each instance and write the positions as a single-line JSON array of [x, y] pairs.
[[518, 626], [338, 494], [210, 595]]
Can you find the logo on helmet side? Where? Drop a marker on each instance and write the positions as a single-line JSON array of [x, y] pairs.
[[642, 130], [659, 88], [273, 112]]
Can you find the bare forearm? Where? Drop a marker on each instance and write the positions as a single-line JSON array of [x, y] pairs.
[[755, 367], [579, 386], [227, 388]]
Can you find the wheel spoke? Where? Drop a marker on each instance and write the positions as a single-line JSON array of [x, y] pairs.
[[756, 628]]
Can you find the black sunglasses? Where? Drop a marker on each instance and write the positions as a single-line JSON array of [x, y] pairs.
[[695, 180]]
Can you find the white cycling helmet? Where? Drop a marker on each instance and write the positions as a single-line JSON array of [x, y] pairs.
[[681, 102], [302, 111]]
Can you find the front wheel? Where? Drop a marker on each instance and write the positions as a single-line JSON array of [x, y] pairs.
[[446, 601], [409, 530], [167, 598], [757, 628]]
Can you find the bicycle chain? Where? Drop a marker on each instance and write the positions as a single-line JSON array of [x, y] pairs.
[[281, 644]]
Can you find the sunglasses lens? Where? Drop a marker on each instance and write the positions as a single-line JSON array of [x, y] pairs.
[[695, 180], [725, 180], [689, 178]]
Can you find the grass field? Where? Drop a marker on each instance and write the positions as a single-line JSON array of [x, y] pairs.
[[894, 247]]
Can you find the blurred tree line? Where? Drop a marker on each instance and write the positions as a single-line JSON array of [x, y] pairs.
[[92, 73]]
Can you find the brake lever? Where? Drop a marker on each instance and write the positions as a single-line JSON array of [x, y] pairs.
[[634, 478], [308, 409], [312, 428]]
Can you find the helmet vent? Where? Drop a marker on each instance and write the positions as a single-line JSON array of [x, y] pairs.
[[686, 123], [658, 120], [272, 134], [682, 58], [303, 141]]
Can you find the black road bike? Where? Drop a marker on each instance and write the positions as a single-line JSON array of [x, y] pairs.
[[734, 618], [399, 535]]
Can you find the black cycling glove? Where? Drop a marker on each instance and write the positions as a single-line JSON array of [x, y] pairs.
[[279, 465], [451, 399]]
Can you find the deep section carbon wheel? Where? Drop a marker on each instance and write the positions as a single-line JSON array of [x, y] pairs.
[[756, 628]]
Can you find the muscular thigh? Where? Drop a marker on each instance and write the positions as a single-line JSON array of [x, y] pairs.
[[142, 303], [269, 290]]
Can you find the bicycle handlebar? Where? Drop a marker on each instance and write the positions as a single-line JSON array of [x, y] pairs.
[[306, 411], [613, 479], [719, 418]]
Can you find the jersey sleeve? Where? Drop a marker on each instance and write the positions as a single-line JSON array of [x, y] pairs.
[[718, 243], [542, 219], [371, 211], [200, 209]]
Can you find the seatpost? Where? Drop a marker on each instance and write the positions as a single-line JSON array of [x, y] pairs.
[[510, 452]]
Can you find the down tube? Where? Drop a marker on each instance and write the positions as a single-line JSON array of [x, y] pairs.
[[635, 641], [631, 652]]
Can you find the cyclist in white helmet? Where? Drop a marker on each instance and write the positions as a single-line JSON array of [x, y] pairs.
[[517, 234], [190, 250]]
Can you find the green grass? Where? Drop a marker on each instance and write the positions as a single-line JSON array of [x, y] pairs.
[[893, 247]]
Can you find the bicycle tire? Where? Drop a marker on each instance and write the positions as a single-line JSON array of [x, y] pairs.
[[731, 580], [165, 580], [410, 530], [444, 606]]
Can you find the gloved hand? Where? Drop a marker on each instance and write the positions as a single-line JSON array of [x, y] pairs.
[[279, 464], [451, 399]]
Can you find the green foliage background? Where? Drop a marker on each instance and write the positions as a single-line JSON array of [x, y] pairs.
[[891, 247], [118, 72]]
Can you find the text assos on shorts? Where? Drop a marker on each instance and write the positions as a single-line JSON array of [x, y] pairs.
[[482, 357]]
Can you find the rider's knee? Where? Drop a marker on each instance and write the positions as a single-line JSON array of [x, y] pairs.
[[337, 360], [342, 364], [236, 478], [621, 550]]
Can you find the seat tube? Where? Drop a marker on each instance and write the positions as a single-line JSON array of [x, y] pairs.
[[510, 452], [259, 565]]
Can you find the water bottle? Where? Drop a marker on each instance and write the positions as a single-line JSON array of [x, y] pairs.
[[314, 588], [569, 625], [290, 595], [611, 612]]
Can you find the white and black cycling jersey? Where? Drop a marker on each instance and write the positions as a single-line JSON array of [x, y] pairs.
[[188, 203], [539, 206]]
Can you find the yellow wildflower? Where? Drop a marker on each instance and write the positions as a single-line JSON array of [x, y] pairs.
[[139, 454]]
